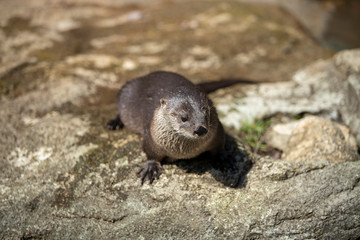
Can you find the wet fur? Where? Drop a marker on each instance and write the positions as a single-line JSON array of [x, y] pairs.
[[155, 106], [176, 145]]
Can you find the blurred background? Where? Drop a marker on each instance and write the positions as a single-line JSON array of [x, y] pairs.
[[207, 39]]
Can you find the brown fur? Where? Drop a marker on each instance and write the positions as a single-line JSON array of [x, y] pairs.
[[175, 119]]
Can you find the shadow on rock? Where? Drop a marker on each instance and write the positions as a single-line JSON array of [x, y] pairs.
[[230, 167]]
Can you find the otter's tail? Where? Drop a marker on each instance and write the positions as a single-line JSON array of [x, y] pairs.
[[209, 87]]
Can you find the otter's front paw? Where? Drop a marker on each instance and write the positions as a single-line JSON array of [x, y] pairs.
[[150, 171], [114, 124]]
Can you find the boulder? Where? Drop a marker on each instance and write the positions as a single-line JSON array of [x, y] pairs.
[[325, 87], [313, 139]]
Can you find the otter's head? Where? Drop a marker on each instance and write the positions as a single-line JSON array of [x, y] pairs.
[[186, 116]]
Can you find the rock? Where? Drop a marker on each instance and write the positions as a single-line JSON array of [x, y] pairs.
[[313, 138], [316, 139], [325, 21], [349, 62], [63, 176], [277, 136], [323, 87]]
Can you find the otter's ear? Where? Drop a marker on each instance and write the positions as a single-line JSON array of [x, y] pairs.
[[163, 102]]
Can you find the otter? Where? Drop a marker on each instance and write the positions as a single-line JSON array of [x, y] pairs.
[[175, 118]]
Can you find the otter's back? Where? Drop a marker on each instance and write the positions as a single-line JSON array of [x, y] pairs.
[[138, 98]]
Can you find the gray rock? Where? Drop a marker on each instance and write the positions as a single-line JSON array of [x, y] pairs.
[[348, 61], [323, 87]]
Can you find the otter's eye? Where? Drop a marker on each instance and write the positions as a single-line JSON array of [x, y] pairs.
[[184, 119]]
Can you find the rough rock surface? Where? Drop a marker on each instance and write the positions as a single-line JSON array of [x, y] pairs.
[[326, 87], [63, 176], [313, 139]]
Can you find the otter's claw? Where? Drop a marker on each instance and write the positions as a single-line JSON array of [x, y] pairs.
[[115, 123], [150, 171]]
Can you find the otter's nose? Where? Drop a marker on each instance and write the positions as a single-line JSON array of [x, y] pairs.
[[200, 131]]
